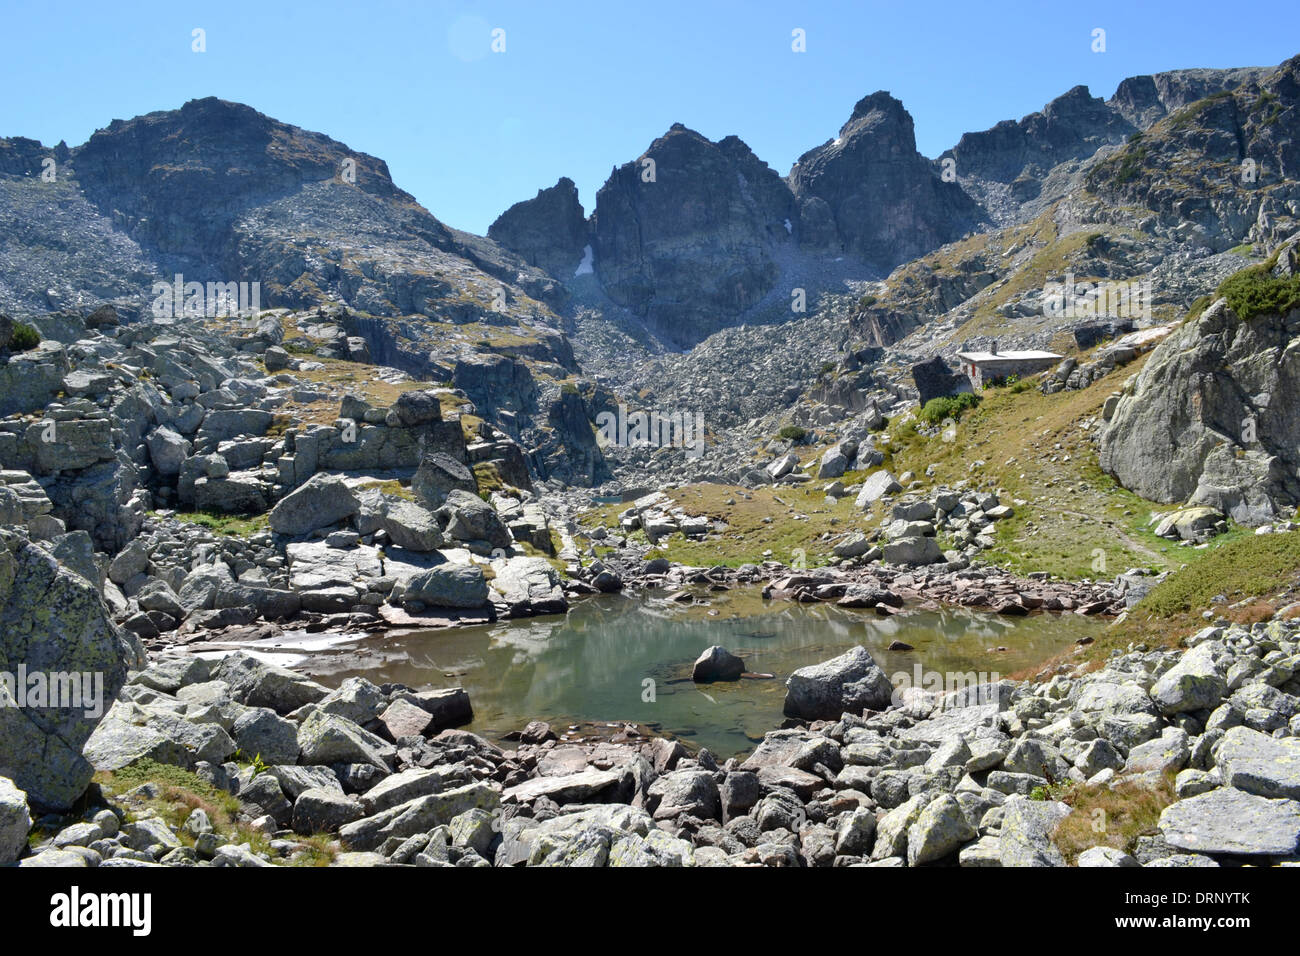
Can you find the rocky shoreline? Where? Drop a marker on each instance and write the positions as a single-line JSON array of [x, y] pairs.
[[865, 773]]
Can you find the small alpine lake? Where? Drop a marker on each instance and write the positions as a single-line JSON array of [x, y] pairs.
[[628, 658]]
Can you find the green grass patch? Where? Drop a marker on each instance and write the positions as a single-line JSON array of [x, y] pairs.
[[236, 526], [1248, 565], [936, 410]]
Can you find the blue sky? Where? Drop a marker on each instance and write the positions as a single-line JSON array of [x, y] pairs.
[[584, 86]]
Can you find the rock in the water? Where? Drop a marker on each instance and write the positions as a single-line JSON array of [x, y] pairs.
[[850, 683], [715, 664]]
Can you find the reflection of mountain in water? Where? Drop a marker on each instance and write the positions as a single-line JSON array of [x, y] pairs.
[[592, 663]]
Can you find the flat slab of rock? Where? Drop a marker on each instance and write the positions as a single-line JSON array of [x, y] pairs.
[[1234, 822], [582, 787], [435, 619], [1260, 764]]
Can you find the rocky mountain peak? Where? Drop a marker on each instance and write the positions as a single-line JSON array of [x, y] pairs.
[[870, 193], [549, 231], [684, 236]]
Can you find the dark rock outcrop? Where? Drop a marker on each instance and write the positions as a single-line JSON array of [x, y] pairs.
[[685, 235], [549, 231], [934, 379], [887, 202]]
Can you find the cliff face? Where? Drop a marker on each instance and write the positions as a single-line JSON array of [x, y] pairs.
[[686, 235], [1073, 126], [1220, 168], [1213, 416], [885, 201], [548, 231]]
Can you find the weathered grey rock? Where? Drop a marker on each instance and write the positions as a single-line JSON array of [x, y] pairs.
[[717, 663], [586, 786], [356, 699], [939, 830], [892, 829], [447, 585], [52, 621], [1106, 856], [1234, 822], [239, 493], [404, 719], [467, 517], [324, 500], [15, 821], [1259, 764], [1027, 827], [411, 784], [1194, 683], [327, 739], [849, 683], [411, 526], [685, 792], [258, 684], [324, 811], [1178, 435], [418, 816], [912, 550], [260, 732], [438, 475], [528, 586], [1168, 753], [876, 487], [167, 449]]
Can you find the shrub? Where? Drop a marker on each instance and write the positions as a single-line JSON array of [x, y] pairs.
[[793, 433], [936, 410], [1256, 291], [24, 338]]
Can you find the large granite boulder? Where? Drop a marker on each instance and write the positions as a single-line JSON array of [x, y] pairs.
[[324, 500], [850, 683], [55, 634], [440, 474], [15, 821], [447, 585], [467, 517], [1213, 418], [528, 586]]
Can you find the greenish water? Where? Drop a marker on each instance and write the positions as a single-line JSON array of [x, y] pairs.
[[593, 664]]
